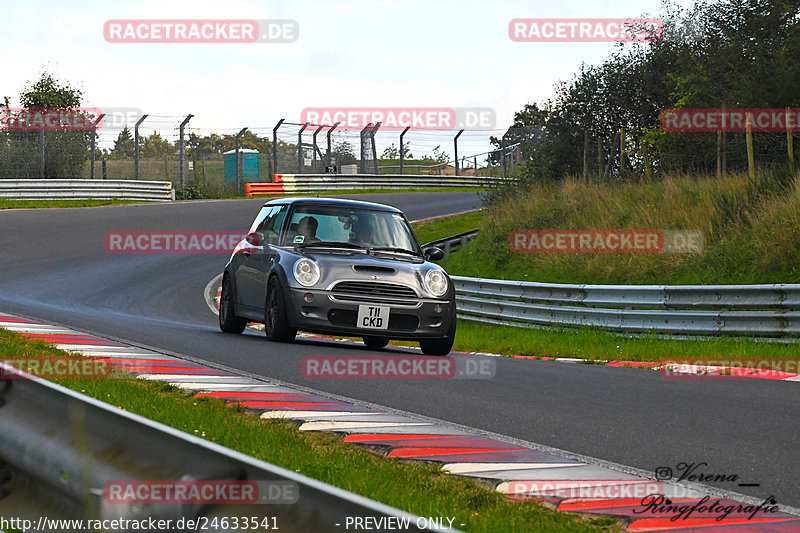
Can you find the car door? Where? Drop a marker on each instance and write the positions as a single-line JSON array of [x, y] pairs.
[[258, 262]]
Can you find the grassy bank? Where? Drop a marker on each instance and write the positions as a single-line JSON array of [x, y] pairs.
[[751, 229], [439, 228], [416, 487]]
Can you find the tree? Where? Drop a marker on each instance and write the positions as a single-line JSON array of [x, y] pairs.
[[123, 146], [65, 152], [393, 152], [155, 146]]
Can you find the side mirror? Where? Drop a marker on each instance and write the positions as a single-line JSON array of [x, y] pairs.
[[255, 238], [432, 253]]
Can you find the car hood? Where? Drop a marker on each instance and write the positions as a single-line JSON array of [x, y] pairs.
[[358, 266]]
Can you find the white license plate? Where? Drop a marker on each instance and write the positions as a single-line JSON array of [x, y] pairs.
[[373, 317]]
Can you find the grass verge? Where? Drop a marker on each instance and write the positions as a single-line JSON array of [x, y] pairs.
[[439, 228], [10, 203], [597, 345], [415, 487]]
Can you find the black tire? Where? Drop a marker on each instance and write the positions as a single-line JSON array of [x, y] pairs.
[[228, 321], [276, 322], [376, 342], [439, 346]]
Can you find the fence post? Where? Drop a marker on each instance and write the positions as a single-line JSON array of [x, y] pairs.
[[475, 164], [750, 156], [329, 154], [503, 154], [238, 166], [789, 140], [314, 155], [300, 148], [600, 157], [455, 146], [275, 147], [402, 149], [585, 155], [374, 151], [94, 139], [41, 153], [182, 151], [611, 155], [136, 147], [647, 165], [105, 170]]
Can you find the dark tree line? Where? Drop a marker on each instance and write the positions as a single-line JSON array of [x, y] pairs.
[[732, 54]]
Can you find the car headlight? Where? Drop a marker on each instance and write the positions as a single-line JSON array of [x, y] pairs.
[[306, 272], [436, 282]]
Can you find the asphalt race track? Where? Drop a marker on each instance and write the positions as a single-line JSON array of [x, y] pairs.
[[54, 267]]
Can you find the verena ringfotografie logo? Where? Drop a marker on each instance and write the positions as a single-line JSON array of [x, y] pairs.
[[399, 118], [173, 242], [585, 30], [50, 118], [620, 241], [200, 492], [396, 367], [200, 31], [733, 120]]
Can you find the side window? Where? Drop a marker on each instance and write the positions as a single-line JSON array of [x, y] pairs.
[[262, 215], [270, 227]]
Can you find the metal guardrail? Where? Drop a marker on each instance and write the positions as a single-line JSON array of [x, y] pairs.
[[60, 449], [290, 183], [453, 243], [757, 310], [86, 189]]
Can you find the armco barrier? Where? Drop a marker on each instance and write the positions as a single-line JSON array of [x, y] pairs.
[[86, 189], [451, 244], [757, 310], [299, 183], [59, 448]]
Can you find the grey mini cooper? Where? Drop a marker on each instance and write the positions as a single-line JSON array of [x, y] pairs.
[[341, 267]]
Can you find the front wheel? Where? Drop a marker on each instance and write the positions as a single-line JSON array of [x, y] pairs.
[[276, 322], [439, 346], [229, 322], [375, 342]]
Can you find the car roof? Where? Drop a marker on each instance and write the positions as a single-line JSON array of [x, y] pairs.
[[336, 202]]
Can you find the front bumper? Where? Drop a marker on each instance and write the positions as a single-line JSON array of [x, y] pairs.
[[327, 313]]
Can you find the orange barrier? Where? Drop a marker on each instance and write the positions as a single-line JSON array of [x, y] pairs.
[[251, 189]]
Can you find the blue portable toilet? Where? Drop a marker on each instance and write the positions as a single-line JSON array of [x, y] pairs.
[[249, 161]]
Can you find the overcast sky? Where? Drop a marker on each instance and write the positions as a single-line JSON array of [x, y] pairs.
[[383, 53]]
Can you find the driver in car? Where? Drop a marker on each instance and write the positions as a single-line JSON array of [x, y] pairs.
[[307, 227]]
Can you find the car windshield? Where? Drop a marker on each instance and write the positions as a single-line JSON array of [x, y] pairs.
[[364, 228]]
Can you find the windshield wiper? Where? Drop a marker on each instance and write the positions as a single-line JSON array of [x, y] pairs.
[[391, 249], [328, 244]]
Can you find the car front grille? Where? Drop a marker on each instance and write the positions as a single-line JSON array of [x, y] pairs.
[[355, 291]]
